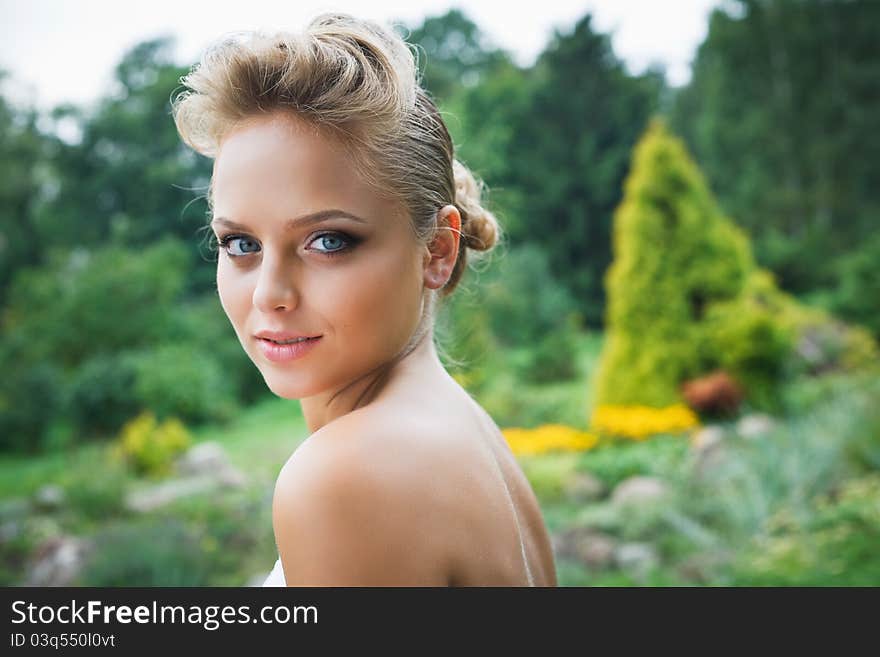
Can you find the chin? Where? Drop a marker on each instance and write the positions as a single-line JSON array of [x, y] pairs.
[[289, 387]]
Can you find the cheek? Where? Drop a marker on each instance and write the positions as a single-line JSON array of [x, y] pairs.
[[377, 304], [234, 296]]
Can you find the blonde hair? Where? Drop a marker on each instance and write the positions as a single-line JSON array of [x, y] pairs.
[[356, 81]]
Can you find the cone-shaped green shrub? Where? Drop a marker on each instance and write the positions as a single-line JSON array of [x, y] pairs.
[[685, 296], [674, 255]]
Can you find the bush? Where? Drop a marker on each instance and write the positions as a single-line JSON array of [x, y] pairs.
[[100, 398], [68, 302], [466, 341], [835, 547], [685, 296], [201, 323], [160, 552], [554, 356], [857, 295], [747, 339], [29, 398], [675, 255], [183, 381], [526, 303], [62, 326], [150, 447], [97, 491]]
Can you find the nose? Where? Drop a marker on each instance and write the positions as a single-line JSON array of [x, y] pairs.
[[275, 288]]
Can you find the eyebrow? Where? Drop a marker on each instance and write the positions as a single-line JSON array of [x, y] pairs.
[[296, 222]]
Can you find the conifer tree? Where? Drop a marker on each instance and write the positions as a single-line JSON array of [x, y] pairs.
[[674, 255], [686, 297]]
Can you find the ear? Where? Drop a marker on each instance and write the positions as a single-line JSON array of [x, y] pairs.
[[442, 252]]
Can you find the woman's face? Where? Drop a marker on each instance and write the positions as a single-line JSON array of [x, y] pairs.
[[356, 281]]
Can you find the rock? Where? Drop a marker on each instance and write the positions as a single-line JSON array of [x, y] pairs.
[[232, 477], [203, 458], [636, 558], [638, 490], [707, 447], [57, 562], [49, 497], [707, 438], [10, 530], [169, 491], [753, 426], [159, 495], [586, 545], [584, 487]]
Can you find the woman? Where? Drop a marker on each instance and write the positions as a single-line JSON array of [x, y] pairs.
[[341, 217]]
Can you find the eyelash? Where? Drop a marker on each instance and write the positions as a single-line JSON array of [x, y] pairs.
[[224, 240]]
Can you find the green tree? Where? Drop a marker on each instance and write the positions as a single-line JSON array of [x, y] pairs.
[[783, 114], [129, 179], [23, 184], [674, 253], [453, 53], [569, 153]]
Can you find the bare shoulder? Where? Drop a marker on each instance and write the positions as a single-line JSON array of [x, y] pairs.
[[348, 510]]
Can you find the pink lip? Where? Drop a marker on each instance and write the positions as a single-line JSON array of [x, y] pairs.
[[281, 336], [283, 353]]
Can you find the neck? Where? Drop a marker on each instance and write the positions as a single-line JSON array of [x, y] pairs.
[[422, 360]]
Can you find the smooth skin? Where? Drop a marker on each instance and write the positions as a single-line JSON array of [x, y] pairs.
[[415, 487]]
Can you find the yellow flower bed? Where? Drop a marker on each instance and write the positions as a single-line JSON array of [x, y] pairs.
[[548, 437], [640, 422]]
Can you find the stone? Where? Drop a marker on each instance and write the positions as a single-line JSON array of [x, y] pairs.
[[49, 497], [707, 438], [708, 450], [203, 458], [159, 495], [231, 477], [586, 545], [584, 487], [10, 530], [754, 426], [636, 558], [57, 562], [638, 489]]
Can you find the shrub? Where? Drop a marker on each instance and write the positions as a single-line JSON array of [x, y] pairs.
[[525, 302], [715, 394], [554, 356], [674, 255], [100, 398], [837, 546], [29, 398], [183, 381], [97, 491], [686, 297], [150, 447], [148, 553], [201, 323], [467, 344]]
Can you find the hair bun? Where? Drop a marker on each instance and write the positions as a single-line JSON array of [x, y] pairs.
[[479, 227]]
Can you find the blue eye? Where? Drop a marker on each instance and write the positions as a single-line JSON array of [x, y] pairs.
[[329, 239], [224, 242]]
